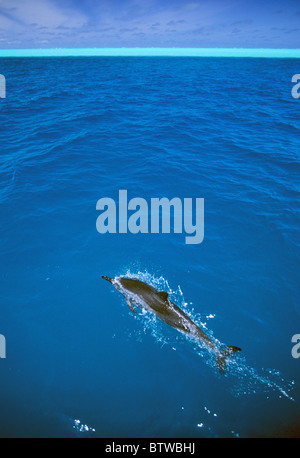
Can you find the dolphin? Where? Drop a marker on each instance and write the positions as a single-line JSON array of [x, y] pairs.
[[146, 297]]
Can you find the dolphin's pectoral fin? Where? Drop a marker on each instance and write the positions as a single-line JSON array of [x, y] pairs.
[[163, 295], [225, 352], [130, 305]]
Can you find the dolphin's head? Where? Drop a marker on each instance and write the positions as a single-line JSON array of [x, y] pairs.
[[122, 284], [113, 281]]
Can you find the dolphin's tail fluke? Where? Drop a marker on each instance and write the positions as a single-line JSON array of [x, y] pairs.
[[225, 353]]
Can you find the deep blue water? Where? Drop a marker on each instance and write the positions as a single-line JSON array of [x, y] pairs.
[[78, 362]]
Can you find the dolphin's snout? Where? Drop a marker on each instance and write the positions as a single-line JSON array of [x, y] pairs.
[[107, 278]]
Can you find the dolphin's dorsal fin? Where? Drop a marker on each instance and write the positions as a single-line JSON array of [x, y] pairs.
[[163, 295]]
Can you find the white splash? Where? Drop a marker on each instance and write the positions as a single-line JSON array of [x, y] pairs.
[[82, 428]]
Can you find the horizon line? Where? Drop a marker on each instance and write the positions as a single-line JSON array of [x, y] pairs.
[[152, 52]]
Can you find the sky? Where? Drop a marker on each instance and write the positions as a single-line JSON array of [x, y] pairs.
[[149, 23]]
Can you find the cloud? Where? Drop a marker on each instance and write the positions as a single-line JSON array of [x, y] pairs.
[[243, 22], [42, 12], [89, 23]]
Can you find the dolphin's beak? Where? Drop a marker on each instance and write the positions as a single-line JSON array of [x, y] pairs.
[[107, 278]]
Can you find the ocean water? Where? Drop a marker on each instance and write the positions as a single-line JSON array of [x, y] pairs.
[[153, 52], [78, 362]]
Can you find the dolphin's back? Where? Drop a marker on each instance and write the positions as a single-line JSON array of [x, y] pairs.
[[155, 299], [158, 301], [136, 286]]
